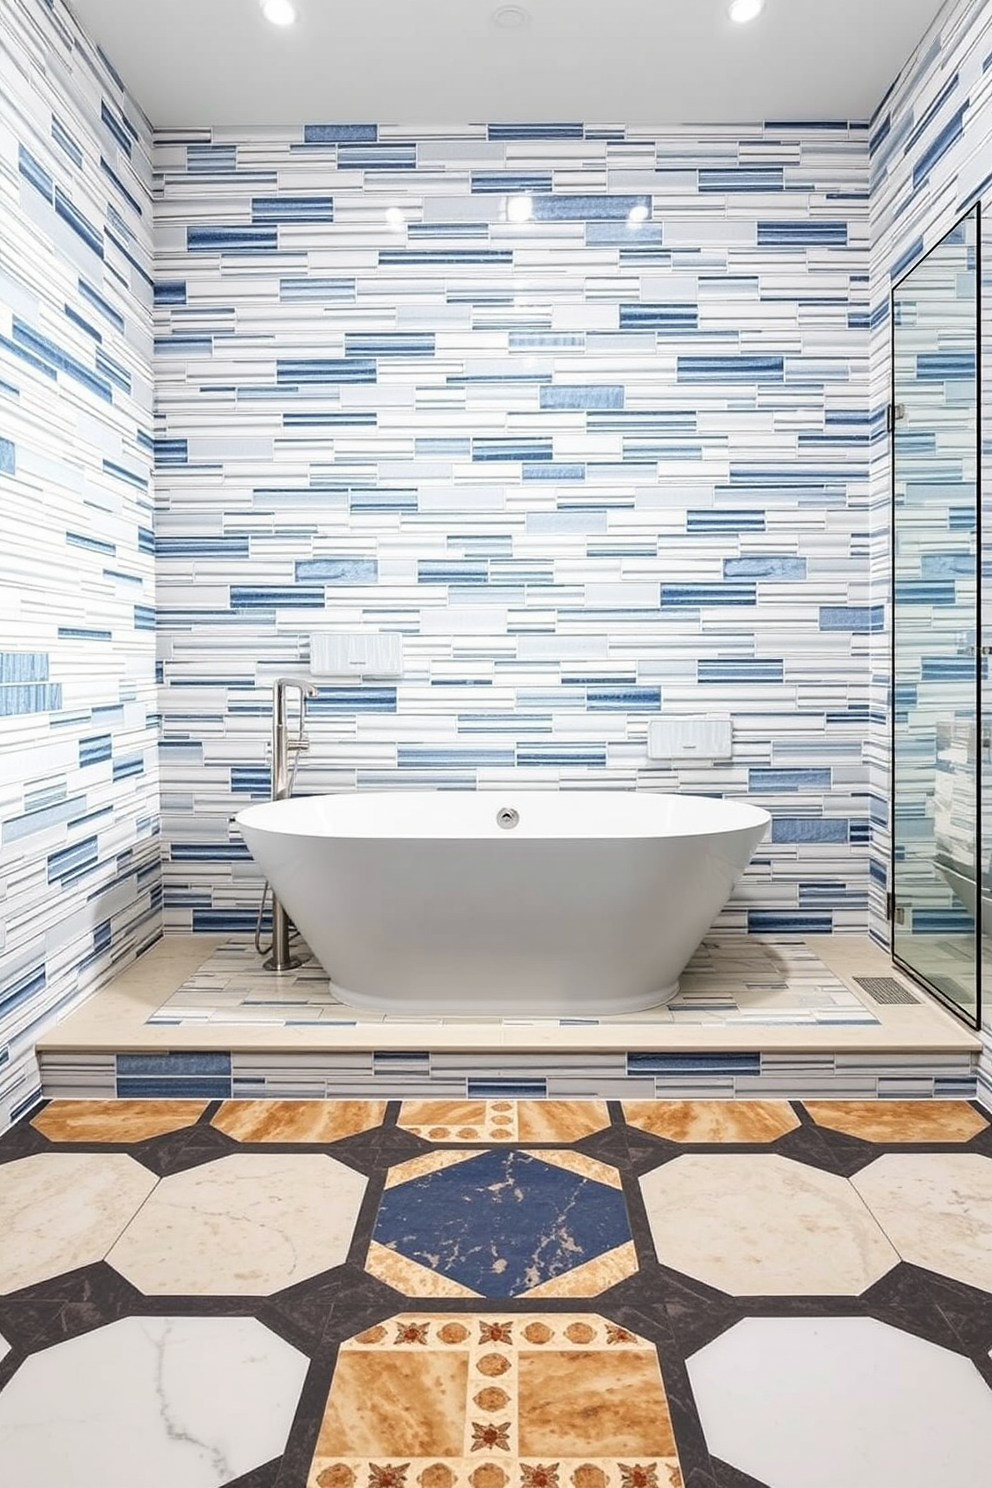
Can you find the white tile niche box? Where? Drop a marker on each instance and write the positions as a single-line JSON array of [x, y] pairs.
[[360, 653], [691, 738]]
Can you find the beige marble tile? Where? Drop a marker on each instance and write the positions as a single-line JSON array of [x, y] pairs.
[[560, 1120], [410, 1278], [61, 1210], [936, 1209], [596, 1404], [712, 1120], [445, 1121], [591, 1278], [490, 1400], [764, 1225], [900, 1121], [251, 1223], [297, 1120], [419, 1167], [391, 1403], [579, 1163], [115, 1120]]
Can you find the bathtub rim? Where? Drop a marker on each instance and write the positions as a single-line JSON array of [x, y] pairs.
[[296, 816]]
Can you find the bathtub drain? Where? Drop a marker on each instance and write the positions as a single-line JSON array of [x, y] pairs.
[[507, 818]]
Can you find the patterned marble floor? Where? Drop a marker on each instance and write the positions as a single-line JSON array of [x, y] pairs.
[[732, 981], [496, 1294]]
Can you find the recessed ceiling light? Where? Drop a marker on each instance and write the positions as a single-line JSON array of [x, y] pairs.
[[745, 10], [637, 214], [395, 218], [279, 12], [520, 209], [510, 17]]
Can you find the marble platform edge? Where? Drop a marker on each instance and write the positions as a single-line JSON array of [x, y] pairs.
[[114, 1021]]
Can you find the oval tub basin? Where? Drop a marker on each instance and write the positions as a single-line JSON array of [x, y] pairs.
[[421, 902]]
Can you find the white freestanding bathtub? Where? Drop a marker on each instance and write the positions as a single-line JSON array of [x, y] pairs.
[[503, 902]]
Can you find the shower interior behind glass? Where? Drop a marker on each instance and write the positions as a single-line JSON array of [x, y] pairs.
[[941, 895]]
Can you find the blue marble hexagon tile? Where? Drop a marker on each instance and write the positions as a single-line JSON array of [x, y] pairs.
[[504, 1294]]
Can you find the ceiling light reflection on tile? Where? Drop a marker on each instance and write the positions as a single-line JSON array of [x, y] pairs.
[[395, 219], [279, 12], [519, 208], [637, 215]]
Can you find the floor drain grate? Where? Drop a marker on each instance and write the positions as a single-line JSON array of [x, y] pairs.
[[886, 989]]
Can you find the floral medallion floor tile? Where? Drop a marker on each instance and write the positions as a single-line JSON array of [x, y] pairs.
[[495, 1294]]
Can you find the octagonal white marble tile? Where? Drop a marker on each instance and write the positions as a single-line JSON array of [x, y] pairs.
[[763, 1225], [64, 1209], [251, 1223], [936, 1208], [160, 1402], [820, 1402]]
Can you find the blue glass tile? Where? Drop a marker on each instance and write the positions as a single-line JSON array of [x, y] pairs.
[[8, 457], [767, 778], [786, 570], [742, 178], [731, 369], [679, 316], [510, 183], [99, 302], [231, 239], [80, 225], [772, 922], [693, 1064], [860, 619], [66, 141], [34, 172], [95, 750], [190, 1087], [69, 862], [334, 134], [567, 208], [18, 699], [337, 570], [271, 597], [389, 344], [735, 671], [802, 234], [558, 396], [675, 596], [314, 209], [336, 702], [308, 371], [808, 829], [534, 131]]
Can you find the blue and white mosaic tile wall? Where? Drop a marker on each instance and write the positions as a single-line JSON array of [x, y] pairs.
[[80, 878], [607, 462], [931, 158]]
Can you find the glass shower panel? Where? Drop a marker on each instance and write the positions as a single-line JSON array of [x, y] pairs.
[[938, 874]]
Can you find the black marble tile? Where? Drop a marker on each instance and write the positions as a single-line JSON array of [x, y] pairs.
[[262, 1477], [67, 1306], [22, 1140], [333, 1306], [726, 1476], [178, 1151]]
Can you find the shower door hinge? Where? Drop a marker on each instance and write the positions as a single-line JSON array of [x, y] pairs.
[[893, 414], [890, 906]]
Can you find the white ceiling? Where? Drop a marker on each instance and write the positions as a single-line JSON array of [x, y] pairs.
[[443, 62]]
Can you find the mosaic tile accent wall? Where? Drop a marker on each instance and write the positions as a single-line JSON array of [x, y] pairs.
[[931, 158], [595, 463], [81, 882]]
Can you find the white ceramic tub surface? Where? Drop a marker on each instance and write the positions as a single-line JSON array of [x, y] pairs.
[[421, 902]]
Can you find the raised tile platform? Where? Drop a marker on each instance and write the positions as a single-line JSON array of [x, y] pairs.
[[757, 1017]]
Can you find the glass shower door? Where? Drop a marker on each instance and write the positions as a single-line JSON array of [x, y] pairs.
[[939, 873]]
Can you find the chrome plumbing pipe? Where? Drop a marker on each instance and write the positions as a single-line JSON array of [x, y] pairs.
[[282, 749]]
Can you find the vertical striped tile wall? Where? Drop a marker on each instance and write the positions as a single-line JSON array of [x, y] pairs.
[[590, 467], [931, 157], [79, 847]]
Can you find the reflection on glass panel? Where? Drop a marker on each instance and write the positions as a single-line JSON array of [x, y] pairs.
[[939, 880]]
